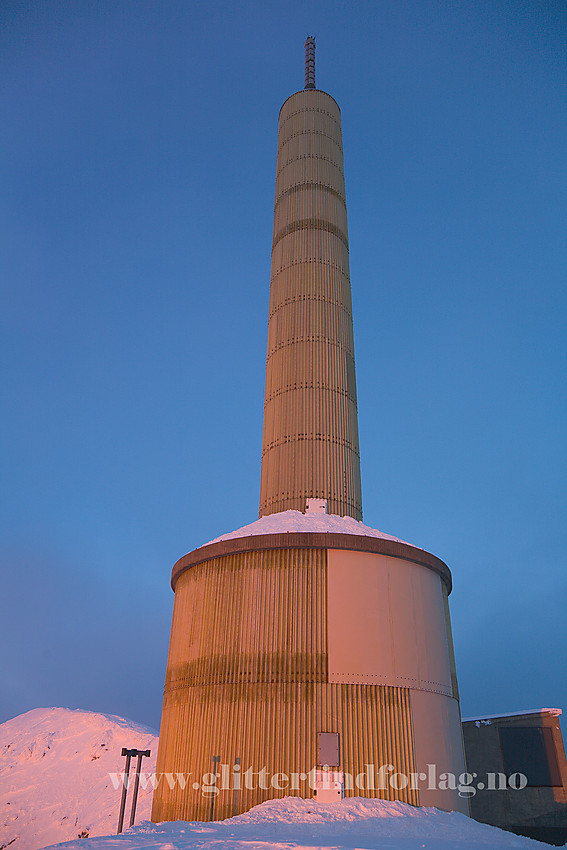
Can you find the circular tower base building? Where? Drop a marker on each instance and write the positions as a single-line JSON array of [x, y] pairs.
[[310, 655]]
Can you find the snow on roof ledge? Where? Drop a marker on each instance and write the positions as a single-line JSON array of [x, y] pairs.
[[554, 711], [295, 521]]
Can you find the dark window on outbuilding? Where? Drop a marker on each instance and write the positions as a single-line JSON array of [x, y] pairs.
[[530, 750]]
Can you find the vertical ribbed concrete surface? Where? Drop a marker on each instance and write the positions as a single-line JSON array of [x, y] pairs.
[[247, 678], [310, 442]]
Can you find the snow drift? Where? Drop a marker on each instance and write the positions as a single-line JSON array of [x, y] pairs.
[[296, 824]]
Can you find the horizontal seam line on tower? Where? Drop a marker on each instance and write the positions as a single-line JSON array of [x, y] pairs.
[[307, 386], [301, 156], [310, 297], [277, 501], [319, 678], [310, 224], [311, 109], [310, 184], [312, 338], [309, 133], [294, 438], [318, 260]]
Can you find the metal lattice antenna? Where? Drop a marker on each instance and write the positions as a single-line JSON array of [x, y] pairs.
[[310, 62]]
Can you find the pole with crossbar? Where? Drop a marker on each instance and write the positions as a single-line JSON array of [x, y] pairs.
[[141, 754], [128, 754]]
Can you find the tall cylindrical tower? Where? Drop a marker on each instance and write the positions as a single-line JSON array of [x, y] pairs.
[[310, 443], [307, 645]]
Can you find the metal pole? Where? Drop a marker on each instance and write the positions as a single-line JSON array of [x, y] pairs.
[[136, 786], [216, 760], [310, 62], [128, 754]]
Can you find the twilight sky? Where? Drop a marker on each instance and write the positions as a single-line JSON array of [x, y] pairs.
[[137, 168]]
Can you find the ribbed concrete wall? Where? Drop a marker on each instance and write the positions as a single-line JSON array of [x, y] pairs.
[[310, 443], [247, 678]]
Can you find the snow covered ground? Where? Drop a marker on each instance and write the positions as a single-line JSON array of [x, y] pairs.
[[55, 786], [54, 775], [296, 824]]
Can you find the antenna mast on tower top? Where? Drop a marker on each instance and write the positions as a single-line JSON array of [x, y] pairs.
[[310, 62]]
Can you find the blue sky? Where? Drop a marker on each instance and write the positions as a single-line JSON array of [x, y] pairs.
[[137, 165]]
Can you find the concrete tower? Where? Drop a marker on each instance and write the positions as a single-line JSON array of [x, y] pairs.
[[310, 441], [309, 654]]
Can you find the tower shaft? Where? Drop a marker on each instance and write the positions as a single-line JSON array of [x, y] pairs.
[[310, 443]]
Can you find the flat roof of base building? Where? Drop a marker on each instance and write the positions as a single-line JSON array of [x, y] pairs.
[[553, 711]]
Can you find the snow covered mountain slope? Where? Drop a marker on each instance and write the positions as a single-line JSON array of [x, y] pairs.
[[54, 775], [296, 824]]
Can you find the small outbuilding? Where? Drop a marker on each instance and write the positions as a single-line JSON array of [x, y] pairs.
[[520, 772]]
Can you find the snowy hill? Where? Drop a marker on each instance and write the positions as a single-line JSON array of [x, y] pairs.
[[296, 824], [54, 775]]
